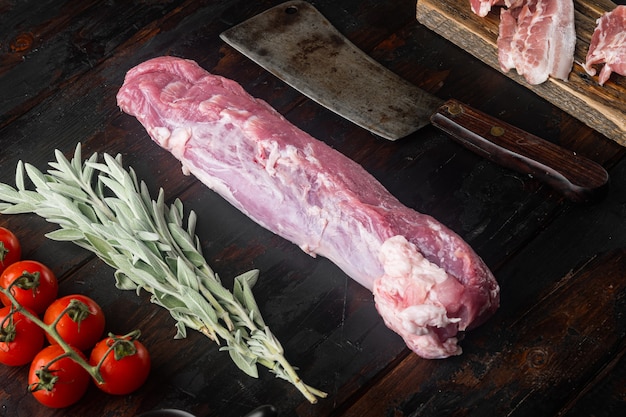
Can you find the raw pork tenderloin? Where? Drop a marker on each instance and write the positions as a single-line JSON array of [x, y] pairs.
[[608, 45], [428, 284]]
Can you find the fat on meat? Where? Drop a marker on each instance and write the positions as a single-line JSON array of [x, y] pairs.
[[483, 7], [537, 38], [608, 45], [428, 284]]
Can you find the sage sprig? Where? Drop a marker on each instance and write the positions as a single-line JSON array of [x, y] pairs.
[[104, 208]]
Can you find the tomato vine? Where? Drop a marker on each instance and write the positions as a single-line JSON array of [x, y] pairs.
[[116, 347]]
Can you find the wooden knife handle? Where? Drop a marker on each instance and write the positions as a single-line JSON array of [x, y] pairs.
[[578, 178]]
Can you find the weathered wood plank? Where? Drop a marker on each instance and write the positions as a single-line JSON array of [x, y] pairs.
[[46, 44]]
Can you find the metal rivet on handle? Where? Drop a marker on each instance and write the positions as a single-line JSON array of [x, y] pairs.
[[455, 109], [497, 130]]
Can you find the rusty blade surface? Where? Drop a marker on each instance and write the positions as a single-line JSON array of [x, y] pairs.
[[296, 43]]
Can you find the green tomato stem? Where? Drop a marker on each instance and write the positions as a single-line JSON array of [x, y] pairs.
[[117, 340], [7, 328]]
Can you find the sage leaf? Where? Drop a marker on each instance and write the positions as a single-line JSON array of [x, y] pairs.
[[67, 235]]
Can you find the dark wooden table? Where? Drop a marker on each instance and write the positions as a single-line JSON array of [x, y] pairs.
[[555, 347]]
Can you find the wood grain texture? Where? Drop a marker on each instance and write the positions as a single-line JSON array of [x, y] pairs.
[[601, 107]]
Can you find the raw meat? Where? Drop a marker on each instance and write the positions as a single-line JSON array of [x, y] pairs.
[[608, 45], [483, 7], [537, 38], [427, 282]]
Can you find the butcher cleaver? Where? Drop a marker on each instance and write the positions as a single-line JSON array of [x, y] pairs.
[[296, 43]]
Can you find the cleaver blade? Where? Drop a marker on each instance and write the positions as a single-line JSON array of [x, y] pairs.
[[297, 44]]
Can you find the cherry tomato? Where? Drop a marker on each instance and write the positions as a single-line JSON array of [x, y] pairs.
[[36, 285], [82, 322], [10, 248], [20, 338], [71, 383], [124, 368]]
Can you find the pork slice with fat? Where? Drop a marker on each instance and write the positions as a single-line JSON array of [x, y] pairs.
[[608, 45], [483, 7], [537, 38], [428, 283]]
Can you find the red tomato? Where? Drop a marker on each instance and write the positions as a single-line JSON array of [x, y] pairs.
[[71, 383], [20, 338], [36, 285], [124, 368], [10, 248], [81, 324]]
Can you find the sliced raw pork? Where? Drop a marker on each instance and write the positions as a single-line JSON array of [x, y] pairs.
[[537, 38], [427, 282], [483, 7], [608, 45]]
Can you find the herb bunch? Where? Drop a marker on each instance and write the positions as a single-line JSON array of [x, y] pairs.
[[104, 208]]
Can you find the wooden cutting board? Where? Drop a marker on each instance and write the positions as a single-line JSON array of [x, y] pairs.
[[603, 108]]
